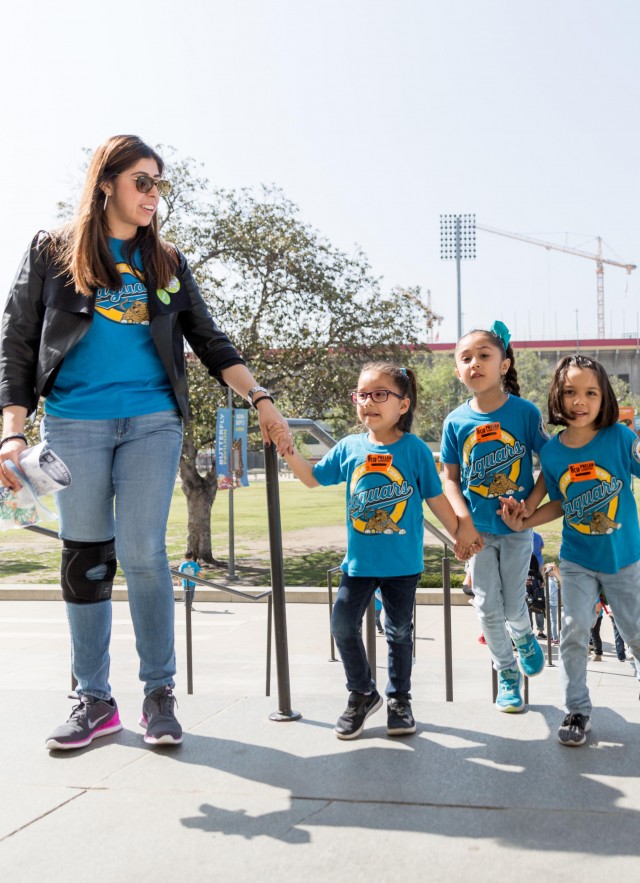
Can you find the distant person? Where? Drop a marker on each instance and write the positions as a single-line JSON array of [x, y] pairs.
[[96, 323], [388, 473], [587, 469], [480, 440], [538, 546], [378, 608], [536, 596]]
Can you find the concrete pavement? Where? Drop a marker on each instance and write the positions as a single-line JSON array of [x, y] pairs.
[[473, 795]]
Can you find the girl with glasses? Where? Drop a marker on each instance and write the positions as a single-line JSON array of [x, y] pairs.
[[486, 450], [388, 473], [96, 324]]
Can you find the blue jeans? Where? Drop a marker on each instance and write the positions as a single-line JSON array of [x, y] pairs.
[[353, 598], [122, 478], [580, 591], [498, 578], [553, 617]]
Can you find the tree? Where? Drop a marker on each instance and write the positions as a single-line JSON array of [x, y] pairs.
[[304, 314]]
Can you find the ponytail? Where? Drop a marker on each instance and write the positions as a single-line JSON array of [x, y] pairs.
[[510, 380]]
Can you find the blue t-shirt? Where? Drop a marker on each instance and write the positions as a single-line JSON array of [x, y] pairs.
[[493, 452], [600, 526], [190, 568], [115, 370], [386, 485]]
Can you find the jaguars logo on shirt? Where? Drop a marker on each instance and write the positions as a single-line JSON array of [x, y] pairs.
[[591, 498], [378, 496], [128, 304], [492, 461]]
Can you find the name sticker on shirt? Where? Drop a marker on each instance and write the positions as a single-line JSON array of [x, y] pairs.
[[583, 471], [379, 462], [488, 432]]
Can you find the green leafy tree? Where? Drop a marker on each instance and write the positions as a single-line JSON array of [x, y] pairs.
[[304, 314]]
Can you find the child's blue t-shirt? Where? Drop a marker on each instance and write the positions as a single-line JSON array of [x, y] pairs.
[[493, 452], [386, 485], [190, 568], [600, 525], [115, 370]]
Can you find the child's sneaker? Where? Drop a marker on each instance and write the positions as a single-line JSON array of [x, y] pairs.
[[400, 720], [530, 655], [351, 722], [90, 719], [574, 729], [509, 697]]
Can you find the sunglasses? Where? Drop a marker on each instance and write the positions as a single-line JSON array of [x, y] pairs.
[[145, 183], [377, 395]]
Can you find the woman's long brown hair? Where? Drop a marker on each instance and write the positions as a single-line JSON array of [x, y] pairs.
[[82, 247]]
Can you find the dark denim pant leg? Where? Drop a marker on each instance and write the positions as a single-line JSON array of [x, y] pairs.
[[398, 597], [352, 600]]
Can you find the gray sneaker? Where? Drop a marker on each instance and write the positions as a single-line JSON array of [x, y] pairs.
[[90, 719], [573, 730], [158, 718]]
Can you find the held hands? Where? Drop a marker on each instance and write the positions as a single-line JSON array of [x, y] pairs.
[[468, 541], [274, 428], [513, 513]]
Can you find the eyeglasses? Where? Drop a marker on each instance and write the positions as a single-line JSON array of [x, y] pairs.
[[145, 183], [359, 397]]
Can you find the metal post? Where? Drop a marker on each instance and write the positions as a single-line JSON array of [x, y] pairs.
[[269, 621], [330, 593], [187, 607], [232, 553], [548, 618], [448, 655], [284, 712]]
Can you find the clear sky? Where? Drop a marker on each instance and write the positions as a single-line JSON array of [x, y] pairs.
[[374, 117]]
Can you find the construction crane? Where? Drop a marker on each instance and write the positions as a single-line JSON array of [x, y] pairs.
[[597, 257]]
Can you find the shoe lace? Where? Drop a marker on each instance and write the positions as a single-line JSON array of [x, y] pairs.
[[575, 720], [166, 700]]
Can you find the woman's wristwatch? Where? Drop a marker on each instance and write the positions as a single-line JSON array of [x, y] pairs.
[[257, 394]]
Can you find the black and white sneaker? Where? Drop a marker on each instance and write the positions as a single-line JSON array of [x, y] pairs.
[[90, 719], [351, 722], [400, 721], [574, 729], [158, 718]]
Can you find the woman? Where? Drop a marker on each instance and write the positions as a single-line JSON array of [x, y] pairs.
[[95, 323]]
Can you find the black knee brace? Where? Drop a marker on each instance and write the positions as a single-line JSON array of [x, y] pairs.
[[78, 560]]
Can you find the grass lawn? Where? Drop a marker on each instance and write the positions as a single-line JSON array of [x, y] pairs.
[[28, 557]]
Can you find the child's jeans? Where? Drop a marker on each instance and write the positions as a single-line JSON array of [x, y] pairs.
[[581, 589], [398, 597], [499, 576]]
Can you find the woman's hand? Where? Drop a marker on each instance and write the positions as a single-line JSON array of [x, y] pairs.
[[10, 452], [274, 427]]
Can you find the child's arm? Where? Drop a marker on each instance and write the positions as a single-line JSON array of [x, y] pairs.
[[301, 468], [536, 496], [442, 509], [467, 535]]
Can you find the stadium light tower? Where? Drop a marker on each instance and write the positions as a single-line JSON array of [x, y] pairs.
[[458, 241]]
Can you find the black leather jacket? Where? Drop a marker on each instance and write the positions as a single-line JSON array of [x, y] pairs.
[[45, 317]]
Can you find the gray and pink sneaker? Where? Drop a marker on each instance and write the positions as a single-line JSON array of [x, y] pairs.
[[90, 719]]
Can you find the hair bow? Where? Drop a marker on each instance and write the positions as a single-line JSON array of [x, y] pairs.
[[500, 330]]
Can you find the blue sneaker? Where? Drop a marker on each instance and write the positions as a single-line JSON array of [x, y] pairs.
[[530, 655], [509, 696]]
